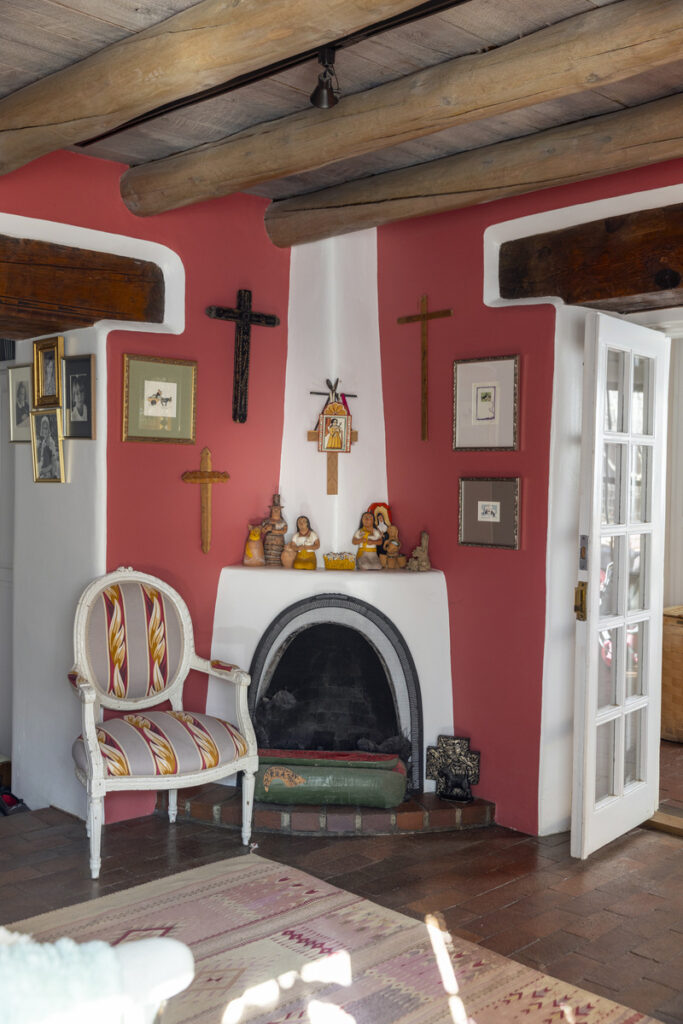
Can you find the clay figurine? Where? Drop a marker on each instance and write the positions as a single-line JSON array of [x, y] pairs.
[[367, 539], [273, 530], [419, 560], [299, 553], [253, 549], [382, 517], [390, 555]]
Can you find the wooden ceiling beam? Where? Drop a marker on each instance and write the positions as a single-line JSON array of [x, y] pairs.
[[585, 52], [625, 264], [203, 46], [47, 288], [601, 145]]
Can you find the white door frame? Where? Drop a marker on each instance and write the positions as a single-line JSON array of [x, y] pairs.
[[556, 738]]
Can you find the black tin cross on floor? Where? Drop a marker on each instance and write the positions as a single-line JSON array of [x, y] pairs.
[[243, 318]]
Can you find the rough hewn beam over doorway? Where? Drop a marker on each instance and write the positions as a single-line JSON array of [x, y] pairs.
[[46, 288]]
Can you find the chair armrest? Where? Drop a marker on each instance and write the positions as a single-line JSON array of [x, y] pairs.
[[220, 669], [85, 690]]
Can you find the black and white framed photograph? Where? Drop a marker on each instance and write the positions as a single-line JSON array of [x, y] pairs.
[[485, 404], [20, 402], [489, 512], [78, 390], [47, 381], [46, 442]]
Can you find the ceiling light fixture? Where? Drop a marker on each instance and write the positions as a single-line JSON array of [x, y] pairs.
[[326, 92]]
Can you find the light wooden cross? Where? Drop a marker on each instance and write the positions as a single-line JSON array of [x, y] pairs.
[[423, 317], [332, 462], [206, 478]]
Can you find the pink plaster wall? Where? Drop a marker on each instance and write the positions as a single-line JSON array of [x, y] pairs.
[[153, 517], [496, 597]]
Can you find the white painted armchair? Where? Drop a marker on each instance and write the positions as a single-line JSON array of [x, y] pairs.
[[133, 649]]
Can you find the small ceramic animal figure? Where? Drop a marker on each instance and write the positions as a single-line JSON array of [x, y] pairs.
[[253, 549], [391, 557], [419, 560]]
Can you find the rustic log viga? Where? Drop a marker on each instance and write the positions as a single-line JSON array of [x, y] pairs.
[[593, 49]]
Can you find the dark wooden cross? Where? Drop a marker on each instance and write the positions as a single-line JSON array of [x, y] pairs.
[[243, 318], [423, 317], [206, 477]]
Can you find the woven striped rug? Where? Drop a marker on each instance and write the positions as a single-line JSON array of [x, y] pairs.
[[273, 945]]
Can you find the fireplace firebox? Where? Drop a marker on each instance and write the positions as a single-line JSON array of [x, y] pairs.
[[332, 672]]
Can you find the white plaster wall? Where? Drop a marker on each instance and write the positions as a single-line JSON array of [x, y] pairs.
[[333, 332], [6, 568], [60, 544], [557, 715]]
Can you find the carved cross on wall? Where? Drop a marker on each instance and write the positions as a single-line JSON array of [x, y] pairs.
[[422, 318], [206, 477], [243, 318]]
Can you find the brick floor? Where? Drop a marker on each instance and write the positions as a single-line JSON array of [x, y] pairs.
[[612, 924]]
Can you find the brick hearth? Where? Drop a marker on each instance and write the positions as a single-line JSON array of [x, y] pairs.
[[424, 812]]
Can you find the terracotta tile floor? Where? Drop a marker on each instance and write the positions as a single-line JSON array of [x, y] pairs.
[[612, 924], [671, 775]]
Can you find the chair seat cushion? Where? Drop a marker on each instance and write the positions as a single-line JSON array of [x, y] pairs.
[[149, 743]]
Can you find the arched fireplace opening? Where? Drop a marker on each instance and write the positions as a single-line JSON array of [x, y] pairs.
[[329, 691], [333, 673]]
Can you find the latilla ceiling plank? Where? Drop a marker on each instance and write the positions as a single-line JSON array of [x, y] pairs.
[[602, 145], [46, 288], [605, 45], [203, 46]]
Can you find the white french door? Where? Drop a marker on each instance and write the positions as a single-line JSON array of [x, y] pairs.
[[621, 571]]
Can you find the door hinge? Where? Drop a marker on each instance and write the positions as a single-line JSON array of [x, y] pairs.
[[580, 592]]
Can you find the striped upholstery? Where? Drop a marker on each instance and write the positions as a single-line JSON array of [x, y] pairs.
[[163, 743], [135, 640]]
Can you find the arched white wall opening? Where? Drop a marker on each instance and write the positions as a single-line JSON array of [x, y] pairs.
[[60, 537]]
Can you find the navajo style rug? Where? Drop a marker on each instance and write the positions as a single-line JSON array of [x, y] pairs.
[[273, 945]]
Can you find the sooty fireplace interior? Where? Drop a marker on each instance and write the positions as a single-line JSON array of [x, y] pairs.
[[334, 673]]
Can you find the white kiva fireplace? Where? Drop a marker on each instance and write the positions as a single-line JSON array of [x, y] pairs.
[[339, 660]]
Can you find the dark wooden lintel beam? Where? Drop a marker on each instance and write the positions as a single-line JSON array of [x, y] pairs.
[[624, 264], [47, 288]]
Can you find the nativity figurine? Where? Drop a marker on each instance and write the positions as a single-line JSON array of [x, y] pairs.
[[390, 554], [367, 539], [273, 530], [300, 551]]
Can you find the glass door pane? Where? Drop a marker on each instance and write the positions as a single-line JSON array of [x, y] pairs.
[[614, 392], [640, 497], [641, 396]]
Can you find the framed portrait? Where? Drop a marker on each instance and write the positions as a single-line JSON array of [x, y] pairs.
[[159, 399], [20, 402], [489, 512], [78, 390], [485, 404], [47, 381], [46, 444]]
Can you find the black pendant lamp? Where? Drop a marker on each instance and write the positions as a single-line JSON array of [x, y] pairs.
[[326, 92]]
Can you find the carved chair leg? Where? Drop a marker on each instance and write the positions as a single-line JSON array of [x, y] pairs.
[[95, 816], [172, 805], [248, 782]]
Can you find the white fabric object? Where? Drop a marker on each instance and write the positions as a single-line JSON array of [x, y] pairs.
[[70, 983]]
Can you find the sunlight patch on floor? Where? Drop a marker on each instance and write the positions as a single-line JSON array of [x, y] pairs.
[[442, 945], [329, 970]]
